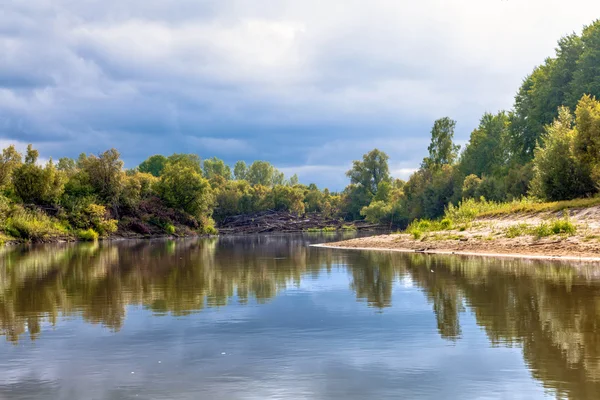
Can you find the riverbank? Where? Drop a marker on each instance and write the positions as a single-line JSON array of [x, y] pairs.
[[264, 222], [519, 235]]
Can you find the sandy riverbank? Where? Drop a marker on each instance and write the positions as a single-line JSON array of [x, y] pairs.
[[489, 237]]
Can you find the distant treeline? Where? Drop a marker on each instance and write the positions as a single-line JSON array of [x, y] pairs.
[[547, 147]]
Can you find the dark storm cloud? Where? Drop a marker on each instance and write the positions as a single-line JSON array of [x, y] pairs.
[[307, 85]]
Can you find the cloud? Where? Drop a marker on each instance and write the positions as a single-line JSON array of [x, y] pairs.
[[297, 83]]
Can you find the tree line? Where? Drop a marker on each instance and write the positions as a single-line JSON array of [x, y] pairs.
[[547, 147]]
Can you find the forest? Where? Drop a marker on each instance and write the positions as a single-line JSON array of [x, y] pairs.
[[546, 148]]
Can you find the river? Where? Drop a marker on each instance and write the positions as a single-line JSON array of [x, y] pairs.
[[268, 317]]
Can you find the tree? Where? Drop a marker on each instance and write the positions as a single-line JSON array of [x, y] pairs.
[[240, 170], [442, 150], [181, 186], [216, 167], [294, 180], [558, 174], [153, 165], [35, 184], [9, 160], [585, 77], [587, 134], [371, 171], [263, 173], [190, 160], [105, 174], [487, 150]]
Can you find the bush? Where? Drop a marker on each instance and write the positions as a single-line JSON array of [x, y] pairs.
[[170, 229], [446, 224], [32, 225], [563, 226], [88, 235]]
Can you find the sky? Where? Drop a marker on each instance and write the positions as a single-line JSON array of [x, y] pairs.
[[307, 85]]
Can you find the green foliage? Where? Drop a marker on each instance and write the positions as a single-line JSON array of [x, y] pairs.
[[153, 165], [442, 150], [105, 175], [191, 161], [240, 170], [487, 152], [34, 184], [558, 174], [32, 225], [587, 135], [287, 198], [170, 229], [88, 235], [181, 186], [265, 174], [470, 186], [516, 230], [9, 160], [377, 212], [216, 167], [370, 172], [560, 81]]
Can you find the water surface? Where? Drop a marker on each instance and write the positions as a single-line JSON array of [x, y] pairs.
[[269, 317]]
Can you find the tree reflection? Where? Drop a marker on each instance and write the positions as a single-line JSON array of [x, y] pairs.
[[550, 310]]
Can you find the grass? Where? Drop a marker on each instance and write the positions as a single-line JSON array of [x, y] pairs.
[[543, 229], [88, 235], [467, 210], [32, 225], [325, 229]]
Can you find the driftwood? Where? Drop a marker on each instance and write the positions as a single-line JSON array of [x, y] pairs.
[[283, 221]]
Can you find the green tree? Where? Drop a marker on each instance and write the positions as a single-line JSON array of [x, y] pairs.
[[442, 150], [36, 184], [9, 160], [586, 76], [370, 172], [487, 152], [587, 134], [263, 173], [558, 174], [294, 180], [153, 165], [105, 174], [216, 167], [190, 160], [181, 186], [240, 170]]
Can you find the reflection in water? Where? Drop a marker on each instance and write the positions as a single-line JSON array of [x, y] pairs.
[[551, 311]]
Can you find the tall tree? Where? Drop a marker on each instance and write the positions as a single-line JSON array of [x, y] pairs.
[[558, 174], [9, 160], [369, 172], [153, 165], [442, 150], [216, 167], [240, 170], [487, 150]]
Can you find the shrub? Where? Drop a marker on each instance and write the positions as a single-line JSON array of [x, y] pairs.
[[446, 224], [88, 235], [170, 229], [518, 230], [563, 226], [33, 225]]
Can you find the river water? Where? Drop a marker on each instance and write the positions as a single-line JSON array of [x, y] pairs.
[[268, 317]]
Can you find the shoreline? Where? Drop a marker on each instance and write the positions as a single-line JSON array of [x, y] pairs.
[[547, 257]]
